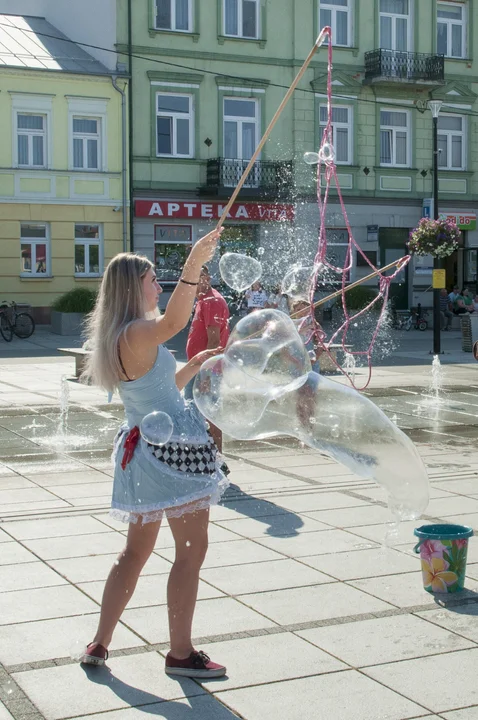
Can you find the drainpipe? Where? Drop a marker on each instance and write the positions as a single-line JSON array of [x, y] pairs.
[[130, 123], [114, 80]]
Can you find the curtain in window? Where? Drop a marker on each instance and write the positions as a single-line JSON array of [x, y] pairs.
[[326, 19], [94, 258], [398, 7], [386, 146], [182, 15], [164, 128], [442, 150], [456, 151], [442, 46], [92, 151], [85, 125], [249, 24], [231, 17], [389, 117], [182, 139], [77, 153], [341, 34], [456, 41], [38, 150], [386, 33], [30, 122], [230, 140], [401, 31], [248, 140], [163, 14], [23, 149], [341, 141], [401, 148]]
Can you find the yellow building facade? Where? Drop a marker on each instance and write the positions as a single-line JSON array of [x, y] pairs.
[[62, 173]]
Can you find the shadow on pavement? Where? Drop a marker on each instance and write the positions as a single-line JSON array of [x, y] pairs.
[[281, 522]]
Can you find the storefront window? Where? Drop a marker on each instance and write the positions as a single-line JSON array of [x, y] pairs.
[[172, 244], [470, 267], [239, 239]]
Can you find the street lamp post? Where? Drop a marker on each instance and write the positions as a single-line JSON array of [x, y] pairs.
[[435, 107]]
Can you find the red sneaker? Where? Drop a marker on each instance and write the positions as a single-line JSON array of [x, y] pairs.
[[95, 654], [197, 665]]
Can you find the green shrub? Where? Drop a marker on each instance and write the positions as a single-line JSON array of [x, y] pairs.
[[80, 300], [359, 297]]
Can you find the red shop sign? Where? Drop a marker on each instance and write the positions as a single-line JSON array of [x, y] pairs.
[[168, 209]]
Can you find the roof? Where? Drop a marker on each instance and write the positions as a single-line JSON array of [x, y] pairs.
[[32, 42]]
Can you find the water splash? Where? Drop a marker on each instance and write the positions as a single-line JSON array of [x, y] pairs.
[[64, 406], [435, 388], [350, 365]]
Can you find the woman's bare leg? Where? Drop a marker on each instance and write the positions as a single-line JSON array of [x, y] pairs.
[[123, 577], [190, 536]]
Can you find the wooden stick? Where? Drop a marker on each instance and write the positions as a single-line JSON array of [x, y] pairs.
[[318, 43], [391, 265]]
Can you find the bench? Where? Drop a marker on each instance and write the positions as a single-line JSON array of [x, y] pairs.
[[80, 356]]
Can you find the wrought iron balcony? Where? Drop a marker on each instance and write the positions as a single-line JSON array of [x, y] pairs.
[[265, 179], [407, 67]]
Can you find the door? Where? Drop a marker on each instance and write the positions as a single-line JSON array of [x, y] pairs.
[[392, 243], [395, 36], [241, 124]]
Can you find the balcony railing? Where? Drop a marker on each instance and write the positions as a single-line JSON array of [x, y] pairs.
[[265, 179], [394, 65]]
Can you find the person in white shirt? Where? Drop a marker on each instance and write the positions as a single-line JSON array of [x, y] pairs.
[[256, 297]]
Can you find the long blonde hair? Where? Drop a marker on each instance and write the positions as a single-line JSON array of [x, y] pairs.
[[120, 302]]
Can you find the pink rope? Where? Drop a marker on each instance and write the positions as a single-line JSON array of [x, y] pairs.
[[327, 170]]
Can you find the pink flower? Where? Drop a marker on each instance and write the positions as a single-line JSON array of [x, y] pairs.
[[461, 543], [431, 549]]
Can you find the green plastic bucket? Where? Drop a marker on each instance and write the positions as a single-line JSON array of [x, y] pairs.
[[443, 550]]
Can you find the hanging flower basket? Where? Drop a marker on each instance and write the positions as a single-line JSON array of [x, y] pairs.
[[438, 238]]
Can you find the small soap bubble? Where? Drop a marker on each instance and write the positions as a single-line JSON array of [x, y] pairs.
[[77, 650], [327, 153], [260, 251], [239, 271], [311, 158], [156, 428], [188, 544]]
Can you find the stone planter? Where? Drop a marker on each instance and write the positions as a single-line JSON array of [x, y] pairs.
[[67, 323]]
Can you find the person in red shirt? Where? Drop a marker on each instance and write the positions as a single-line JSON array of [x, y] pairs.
[[209, 329]]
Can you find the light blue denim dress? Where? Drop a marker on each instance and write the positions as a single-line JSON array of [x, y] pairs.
[[149, 487]]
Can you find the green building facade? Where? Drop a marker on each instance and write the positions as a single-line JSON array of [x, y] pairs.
[[208, 76]]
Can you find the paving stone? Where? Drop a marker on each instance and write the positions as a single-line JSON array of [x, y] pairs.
[[461, 619], [357, 697], [390, 534], [272, 575], [470, 713], [318, 602], [82, 490], [352, 517], [216, 534], [211, 617], [102, 543], [83, 690], [57, 638], [363, 563], [443, 507], [4, 714], [306, 502], [258, 660], [383, 640], [24, 495], [197, 707], [313, 543], [287, 524], [415, 678], [55, 527], [15, 482], [237, 552], [404, 590], [245, 508], [78, 477], [97, 567], [42, 603], [150, 590], [13, 554], [26, 576]]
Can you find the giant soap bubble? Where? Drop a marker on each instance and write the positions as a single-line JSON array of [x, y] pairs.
[[156, 428], [263, 387], [297, 283], [239, 271]]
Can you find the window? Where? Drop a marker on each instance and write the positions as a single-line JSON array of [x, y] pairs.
[[31, 140], [241, 18], [174, 15], [341, 132], [172, 245], [338, 15], [86, 143], [35, 250], [451, 29], [88, 250], [241, 126], [174, 125], [394, 138], [394, 24], [451, 142]]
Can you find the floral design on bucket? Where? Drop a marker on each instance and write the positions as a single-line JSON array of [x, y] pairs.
[[436, 575], [438, 238], [443, 549]]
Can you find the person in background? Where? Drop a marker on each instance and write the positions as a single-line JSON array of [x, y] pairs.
[[454, 297], [209, 329], [445, 309], [274, 298], [256, 297], [475, 303], [467, 300]]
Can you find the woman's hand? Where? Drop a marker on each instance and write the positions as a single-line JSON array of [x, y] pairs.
[[203, 250], [201, 357]]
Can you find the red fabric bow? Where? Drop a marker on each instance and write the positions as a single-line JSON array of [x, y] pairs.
[[129, 446]]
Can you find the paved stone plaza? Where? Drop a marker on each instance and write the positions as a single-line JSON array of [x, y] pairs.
[[312, 600]]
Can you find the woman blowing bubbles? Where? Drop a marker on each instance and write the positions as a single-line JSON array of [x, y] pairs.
[[179, 479]]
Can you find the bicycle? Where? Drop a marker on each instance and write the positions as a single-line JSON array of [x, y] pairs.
[[13, 322]]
